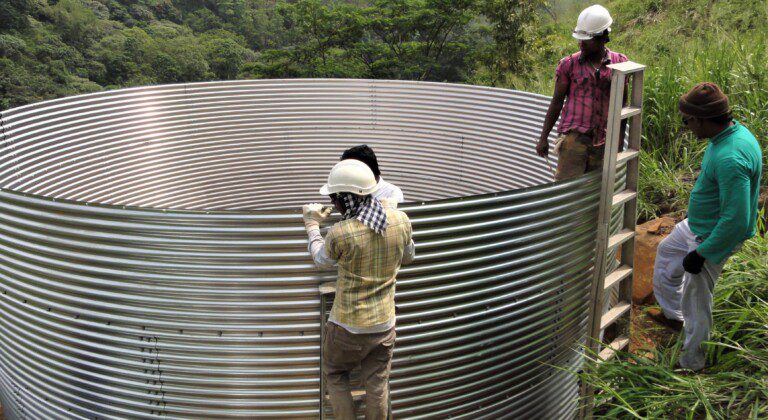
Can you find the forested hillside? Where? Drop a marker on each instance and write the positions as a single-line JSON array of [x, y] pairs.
[[55, 48], [52, 48]]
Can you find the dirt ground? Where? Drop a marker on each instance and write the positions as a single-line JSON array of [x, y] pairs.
[[646, 333]]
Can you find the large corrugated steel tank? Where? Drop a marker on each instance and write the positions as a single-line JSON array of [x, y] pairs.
[[153, 260]]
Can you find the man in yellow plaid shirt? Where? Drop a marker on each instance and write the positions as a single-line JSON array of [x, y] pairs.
[[369, 244]]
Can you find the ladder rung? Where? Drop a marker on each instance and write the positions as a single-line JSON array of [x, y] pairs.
[[615, 313], [630, 111], [627, 67], [327, 288], [620, 237], [626, 155], [357, 395], [617, 275], [623, 197], [609, 352]]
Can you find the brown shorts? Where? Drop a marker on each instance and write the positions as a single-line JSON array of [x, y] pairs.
[[577, 155]]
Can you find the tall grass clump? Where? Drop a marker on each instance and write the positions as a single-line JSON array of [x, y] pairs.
[[665, 187], [735, 386], [673, 155]]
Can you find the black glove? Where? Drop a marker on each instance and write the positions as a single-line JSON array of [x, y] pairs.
[[693, 262]]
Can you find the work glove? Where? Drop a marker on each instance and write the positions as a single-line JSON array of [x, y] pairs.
[[314, 214], [693, 262]]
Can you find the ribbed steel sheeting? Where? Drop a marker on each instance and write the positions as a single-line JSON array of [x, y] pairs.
[[153, 262], [231, 145]]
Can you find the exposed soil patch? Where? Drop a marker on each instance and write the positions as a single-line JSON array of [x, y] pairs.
[[647, 239], [647, 334]]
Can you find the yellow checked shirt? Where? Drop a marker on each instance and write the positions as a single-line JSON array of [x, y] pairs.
[[368, 263]]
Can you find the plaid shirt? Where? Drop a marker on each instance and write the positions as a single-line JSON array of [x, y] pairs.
[[586, 109], [368, 264]]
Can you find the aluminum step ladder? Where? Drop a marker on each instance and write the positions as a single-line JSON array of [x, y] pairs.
[[603, 282]]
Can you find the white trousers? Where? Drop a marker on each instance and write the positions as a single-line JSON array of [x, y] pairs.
[[684, 296]]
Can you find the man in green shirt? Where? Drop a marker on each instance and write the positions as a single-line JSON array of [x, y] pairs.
[[722, 213]]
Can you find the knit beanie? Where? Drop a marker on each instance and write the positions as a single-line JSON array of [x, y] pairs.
[[705, 100]]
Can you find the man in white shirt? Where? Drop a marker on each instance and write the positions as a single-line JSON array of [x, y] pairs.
[[384, 189]]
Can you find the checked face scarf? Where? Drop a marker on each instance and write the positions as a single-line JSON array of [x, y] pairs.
[[366, 209]]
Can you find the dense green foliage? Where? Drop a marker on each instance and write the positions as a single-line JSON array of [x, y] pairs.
[[51, 48], [56, 48]]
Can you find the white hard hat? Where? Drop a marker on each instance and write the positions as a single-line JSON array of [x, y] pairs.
[[593, 21], [350, 175]]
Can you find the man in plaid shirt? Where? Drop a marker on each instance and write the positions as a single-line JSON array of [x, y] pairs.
[[369, 244], [584, 79]]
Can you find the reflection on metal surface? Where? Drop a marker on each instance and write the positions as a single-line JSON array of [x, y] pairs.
[[153, 262]]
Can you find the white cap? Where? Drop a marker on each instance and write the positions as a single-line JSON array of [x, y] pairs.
[[592, 22], [350, 175]]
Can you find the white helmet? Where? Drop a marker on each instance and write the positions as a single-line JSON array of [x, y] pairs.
[[350, 175], [593, 21]]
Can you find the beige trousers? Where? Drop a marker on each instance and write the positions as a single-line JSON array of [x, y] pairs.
[[343, 352]]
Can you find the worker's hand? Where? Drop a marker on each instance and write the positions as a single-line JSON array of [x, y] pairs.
[[542, 147], [693, 262], [314, 214]]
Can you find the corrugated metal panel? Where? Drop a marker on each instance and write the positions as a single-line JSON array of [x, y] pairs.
[[153, 261], [231, 145]]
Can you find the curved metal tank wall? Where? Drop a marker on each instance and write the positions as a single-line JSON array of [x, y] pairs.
[[153, 261]]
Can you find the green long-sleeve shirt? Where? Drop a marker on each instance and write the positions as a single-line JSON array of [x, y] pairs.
[[723, 205]]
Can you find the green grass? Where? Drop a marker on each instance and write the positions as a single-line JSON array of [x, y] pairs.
[[665, 187], [736, 384]]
